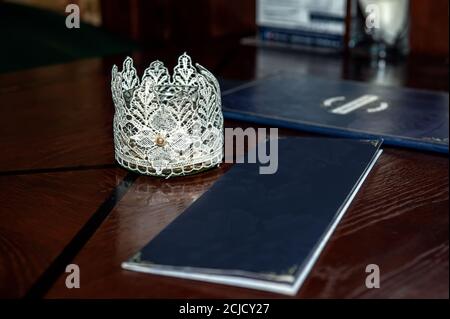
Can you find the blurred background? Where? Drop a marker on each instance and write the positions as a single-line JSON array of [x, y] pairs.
[[393, 42]]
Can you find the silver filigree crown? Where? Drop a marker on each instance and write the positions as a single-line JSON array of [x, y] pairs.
[[167, 126]]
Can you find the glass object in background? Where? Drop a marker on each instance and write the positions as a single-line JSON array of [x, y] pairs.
[[385, 25]]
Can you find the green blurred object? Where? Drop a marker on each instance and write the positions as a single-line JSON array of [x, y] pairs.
[[34, 37]]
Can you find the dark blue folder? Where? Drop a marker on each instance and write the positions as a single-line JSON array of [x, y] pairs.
[[402, 117], [264, 231]]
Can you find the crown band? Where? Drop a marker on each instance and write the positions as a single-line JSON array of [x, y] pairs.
[[167, 126]]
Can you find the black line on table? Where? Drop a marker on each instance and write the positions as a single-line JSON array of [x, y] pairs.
[[58, 266], [56, 169]]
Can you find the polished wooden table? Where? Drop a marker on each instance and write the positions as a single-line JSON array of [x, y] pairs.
[[63, 199]]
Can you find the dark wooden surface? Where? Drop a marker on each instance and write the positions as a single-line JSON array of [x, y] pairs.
[[57, 169], [40, 214]]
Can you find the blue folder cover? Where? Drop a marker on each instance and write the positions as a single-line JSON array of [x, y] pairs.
[[263, 231], [402, 117]]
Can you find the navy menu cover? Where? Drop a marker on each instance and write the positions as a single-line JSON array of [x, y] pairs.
[[402, 117], [264, 231]]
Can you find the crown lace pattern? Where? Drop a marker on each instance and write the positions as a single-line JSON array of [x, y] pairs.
[[167, 126]]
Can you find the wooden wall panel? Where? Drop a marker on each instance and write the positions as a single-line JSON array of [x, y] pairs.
[[178, 22], [429, 27]]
